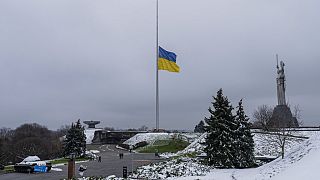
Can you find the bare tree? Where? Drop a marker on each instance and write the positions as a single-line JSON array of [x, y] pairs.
[[109, 129], [296, 112], [143, 128], [281, 137], [283, 134], [5, 138], [62, 131], [6, 133], [262, 116], [28, 139]]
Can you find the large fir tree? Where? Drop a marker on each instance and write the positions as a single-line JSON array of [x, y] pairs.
[[199, 127], [244, 143], [75, 141], [220, 128]]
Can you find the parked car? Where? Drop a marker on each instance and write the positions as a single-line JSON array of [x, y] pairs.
[[32, 164]]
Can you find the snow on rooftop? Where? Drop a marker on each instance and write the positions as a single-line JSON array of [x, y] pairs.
[[31, 159]]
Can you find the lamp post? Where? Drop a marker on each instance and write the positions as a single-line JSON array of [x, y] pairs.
[[71, 166], [131, 147]]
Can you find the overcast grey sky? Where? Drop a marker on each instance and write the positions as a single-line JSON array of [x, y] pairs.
[[95, 60]]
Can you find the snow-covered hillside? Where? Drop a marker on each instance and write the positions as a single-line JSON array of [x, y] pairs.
[[173, 168], [147, 137], [89, 135], [302, 162], [150, 138], [296, 149], [265, 145]]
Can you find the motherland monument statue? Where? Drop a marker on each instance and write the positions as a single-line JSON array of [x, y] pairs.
[[282, 116], [281, 88]]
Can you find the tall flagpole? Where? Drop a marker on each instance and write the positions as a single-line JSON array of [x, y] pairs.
[[157, 74]]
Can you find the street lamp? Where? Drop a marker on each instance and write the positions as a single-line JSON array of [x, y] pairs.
[[131, 147]]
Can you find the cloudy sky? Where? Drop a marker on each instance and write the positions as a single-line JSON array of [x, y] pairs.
[[95, 60]]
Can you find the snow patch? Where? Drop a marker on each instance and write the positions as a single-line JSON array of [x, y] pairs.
[[180, 167], [150, 138], [95, 151], [90, 135], [31, 159], [56, 169]]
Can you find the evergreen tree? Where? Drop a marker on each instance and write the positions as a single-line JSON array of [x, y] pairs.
[[243, 140], [199, 127], [75, 141], [220, 127]]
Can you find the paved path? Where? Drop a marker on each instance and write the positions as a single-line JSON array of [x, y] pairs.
[[110, 165]]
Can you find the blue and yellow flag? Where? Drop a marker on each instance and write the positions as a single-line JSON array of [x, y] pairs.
[[167, 61]]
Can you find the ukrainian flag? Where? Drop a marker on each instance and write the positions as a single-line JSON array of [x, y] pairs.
[[167, 61]]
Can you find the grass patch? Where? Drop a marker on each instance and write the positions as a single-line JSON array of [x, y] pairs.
[[8, 169], [64, 160], [191, 155], [161, 146]]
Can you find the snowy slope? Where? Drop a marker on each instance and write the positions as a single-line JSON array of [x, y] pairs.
[[306, 168], [89, 135], [264, 145], [150, 138], [195, 146], [174, 168], [302, 162]]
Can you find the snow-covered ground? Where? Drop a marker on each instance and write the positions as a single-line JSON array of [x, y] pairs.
[[296, 149], [56, 169], [302, 162], [173, 168], [150, 138], [264, 144], [89, 135]]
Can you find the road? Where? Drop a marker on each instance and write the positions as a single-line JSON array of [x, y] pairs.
[[110, 165]]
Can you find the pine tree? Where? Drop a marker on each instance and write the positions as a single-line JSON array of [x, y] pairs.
[[199, 127], [220, 127], [75, 141], [243, 140]]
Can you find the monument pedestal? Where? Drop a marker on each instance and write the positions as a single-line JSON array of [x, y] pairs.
[[282, 117]]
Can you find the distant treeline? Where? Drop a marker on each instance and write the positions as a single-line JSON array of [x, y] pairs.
[[29, 140]]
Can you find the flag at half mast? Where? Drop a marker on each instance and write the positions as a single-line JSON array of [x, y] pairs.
[[167, 61]]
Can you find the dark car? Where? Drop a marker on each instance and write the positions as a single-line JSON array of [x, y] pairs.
[[1, 167]]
